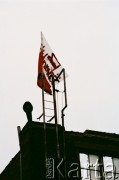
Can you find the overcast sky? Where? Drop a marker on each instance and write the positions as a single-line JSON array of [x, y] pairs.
[[84, 36]]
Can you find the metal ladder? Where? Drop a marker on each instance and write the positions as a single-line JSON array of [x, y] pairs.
[[48, 107], [46, 102]]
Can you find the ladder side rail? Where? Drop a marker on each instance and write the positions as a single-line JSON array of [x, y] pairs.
[[56, 124], [62, 116]]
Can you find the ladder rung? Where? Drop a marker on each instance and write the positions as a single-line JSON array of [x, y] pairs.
[[48, 116], [49, 108], [47, 94], [48, 101]]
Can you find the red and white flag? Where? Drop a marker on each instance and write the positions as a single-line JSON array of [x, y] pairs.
[[48, 65]]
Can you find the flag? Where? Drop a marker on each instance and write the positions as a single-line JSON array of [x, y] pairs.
[[48, 66]]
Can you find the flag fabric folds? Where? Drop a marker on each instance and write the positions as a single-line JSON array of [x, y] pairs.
[[48, 66]]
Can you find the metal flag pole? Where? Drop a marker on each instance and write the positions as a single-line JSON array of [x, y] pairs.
[[44, 123], [19, 130]]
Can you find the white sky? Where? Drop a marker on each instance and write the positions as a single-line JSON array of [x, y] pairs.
[[84, 35]]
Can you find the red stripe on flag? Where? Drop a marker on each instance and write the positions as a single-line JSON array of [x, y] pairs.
[[42, 81]]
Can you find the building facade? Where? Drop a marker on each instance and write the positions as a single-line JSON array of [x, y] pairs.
[[90, 155]]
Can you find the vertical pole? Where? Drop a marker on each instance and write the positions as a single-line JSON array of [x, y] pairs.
[[65, 96], [56, 125], [44, 124], [19, 129]]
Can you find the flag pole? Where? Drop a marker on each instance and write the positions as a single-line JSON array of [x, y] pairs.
[[44, 123]]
